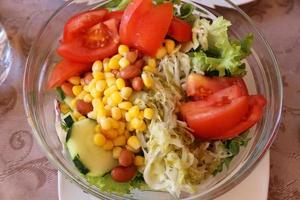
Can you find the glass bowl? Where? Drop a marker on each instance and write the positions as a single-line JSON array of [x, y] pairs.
[[263, 78]]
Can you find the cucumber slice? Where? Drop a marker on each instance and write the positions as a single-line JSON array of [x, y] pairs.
[[68, 120], [95, 160], [60, 93]]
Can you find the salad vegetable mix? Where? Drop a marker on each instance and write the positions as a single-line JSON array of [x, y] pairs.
[[152, 96]]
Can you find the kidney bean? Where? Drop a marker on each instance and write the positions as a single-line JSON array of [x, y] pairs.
[[67, 89], [131, 56], [83, 107], [137, 83], [126, 158], [130, 72], [123, 174]]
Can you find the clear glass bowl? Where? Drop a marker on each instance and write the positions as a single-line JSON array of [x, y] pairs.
[[263, 78]]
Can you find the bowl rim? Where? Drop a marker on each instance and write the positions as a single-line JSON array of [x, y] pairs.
[[219, 190]]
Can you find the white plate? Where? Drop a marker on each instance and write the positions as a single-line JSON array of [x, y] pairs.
[[255, 186]]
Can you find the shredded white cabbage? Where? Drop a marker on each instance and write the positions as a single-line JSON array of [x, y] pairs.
[[200, 34]]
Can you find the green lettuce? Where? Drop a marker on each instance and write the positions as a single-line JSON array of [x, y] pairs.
[[107, 184], [117, 4], [222, 55]]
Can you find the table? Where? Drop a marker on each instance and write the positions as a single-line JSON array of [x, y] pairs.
[[26, 174]]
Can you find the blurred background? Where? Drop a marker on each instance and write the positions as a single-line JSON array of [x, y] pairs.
[[26, 174]]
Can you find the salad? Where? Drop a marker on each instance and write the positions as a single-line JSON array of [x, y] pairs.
[[151, 96]]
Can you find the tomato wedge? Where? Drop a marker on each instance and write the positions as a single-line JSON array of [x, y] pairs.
[[79, 23], [117, 15], [64, 70], [257, 102], [202, 86], [99, 42], [211, 121], [152, 28], [180, 30], [130, 18]]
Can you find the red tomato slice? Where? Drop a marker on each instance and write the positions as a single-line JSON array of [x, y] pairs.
[[257, 104], [221, 97], [153, 28], [211, 122], [64, 70], [100, 41], [180, 30], [79, 23], [117, 15], [130, 18], [202, 86]]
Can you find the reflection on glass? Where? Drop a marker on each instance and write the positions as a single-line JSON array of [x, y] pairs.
[[5, 55]]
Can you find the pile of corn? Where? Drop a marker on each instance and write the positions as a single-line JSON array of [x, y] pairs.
[[118, 118]]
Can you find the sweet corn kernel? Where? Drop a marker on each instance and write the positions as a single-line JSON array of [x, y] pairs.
[[142, 128], [101, 112], [106, 68], [108, 145], [86, 88], [116, 98], [99, 139], [147, 68], [92, 115], [120, 141], [64, 108], [109, 75], [170, 45], [92, 85], [116, 113], [95, 93], [141, 114], [123, 49], [134, 111], [161, 52], [76, 114], [126, 92], [151, 62], [105, 123], [81, 118], [123, 62], [114, 63], [139, 161], [136, 123], [116, 152], [96, 102], [76, 89], [111, 134], [97, 66], [114, 123], [101, 85], [104, 100], [109, 91], [125, 105], [88, 98], [121, 128], [120, 83], [98, 75], [110, 102], [82, 82], [110, 81], [97, 128], [73, 103], [108, 109], [82, 94], [147, 80], [134, 142], [131, 149], [148, 113], [75, 80], [128, 118]]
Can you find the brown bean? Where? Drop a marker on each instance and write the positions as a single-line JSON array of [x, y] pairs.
[[67, 89], [130, 72], [139, 63], [83, 107], [137, 83], [123, 174], [126, 158], [88, 77], [131, 56]]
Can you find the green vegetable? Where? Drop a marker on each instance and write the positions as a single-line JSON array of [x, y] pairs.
[[186, 10], [107, 184], [117, 4], [60, 93], [80, 166], [68, 120], [221, 54]]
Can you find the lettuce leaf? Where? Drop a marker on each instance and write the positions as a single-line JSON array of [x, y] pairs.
[[222, 55]]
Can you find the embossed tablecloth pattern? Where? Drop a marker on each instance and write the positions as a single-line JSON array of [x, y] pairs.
[[26, 174]]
